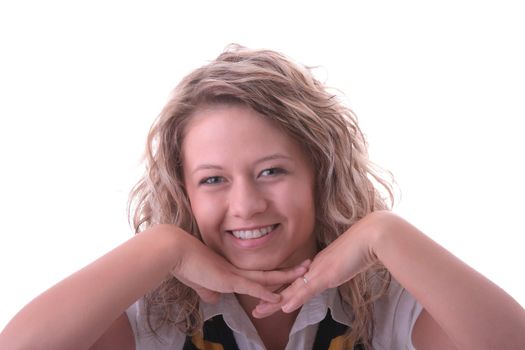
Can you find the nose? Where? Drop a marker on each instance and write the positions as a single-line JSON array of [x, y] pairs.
[[246, 199]]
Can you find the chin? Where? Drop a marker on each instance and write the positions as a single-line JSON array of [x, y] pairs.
[[257, 265]]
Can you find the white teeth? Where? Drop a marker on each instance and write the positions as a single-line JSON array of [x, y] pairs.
[[251, 234]]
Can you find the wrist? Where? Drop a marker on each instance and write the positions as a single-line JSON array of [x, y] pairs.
[[166, 244], [383, 225]]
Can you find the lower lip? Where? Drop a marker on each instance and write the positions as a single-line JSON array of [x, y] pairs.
[[254, 242]]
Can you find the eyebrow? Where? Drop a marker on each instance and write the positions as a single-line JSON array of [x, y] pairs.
[[260, 160]]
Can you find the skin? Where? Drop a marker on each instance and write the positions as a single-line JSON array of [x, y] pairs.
[[462, 309], [52, 320], [241, 172]]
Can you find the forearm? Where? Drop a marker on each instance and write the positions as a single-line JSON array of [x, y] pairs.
[[76, 311], [474, 312]]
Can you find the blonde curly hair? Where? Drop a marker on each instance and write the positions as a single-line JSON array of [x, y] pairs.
[[347, 185]]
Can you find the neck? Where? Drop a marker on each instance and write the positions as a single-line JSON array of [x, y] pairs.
[[274, 329]]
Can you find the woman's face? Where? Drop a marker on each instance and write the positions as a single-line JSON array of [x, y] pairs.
[[251, 188]]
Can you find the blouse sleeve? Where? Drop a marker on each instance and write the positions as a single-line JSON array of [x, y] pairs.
[[145, 339], [395, 315]]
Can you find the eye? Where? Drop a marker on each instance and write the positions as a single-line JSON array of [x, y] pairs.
[[211, 180], [272, 172]]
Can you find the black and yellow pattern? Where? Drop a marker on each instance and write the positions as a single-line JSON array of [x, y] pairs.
[[217, 335]]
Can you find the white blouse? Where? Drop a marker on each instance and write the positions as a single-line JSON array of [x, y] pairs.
[[395, 315]]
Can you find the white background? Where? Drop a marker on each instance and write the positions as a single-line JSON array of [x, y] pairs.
[[438, 88]]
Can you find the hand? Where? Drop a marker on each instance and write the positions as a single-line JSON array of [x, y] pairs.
[[348, 255], [209, 274]]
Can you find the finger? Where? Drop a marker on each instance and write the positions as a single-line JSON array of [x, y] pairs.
[[265, 309], [302, 290], [297, 294], [306, 263], [276, 277], [245, 286]]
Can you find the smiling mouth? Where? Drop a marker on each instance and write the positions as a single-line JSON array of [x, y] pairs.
[[253, 234]]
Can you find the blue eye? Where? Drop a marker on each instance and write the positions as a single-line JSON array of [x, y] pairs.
[[212, 180], [272, 172]]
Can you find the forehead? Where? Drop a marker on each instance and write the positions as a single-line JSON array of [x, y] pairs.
[[222, 132]]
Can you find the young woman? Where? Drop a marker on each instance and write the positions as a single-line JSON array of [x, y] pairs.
[[262, 224]]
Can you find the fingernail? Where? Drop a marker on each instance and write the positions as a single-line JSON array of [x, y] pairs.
[[258, 314], [301, 270], [264, 310], [261, 307], [288, 308]]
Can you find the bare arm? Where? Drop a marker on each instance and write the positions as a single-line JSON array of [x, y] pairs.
[[474, 312], [463, 309], [76, 312], [118, 336]]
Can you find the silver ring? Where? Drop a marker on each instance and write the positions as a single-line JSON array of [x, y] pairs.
[[305, 280]]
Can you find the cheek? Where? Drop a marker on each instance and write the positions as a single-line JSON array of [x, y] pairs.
[[208, 215], [299, 204]]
